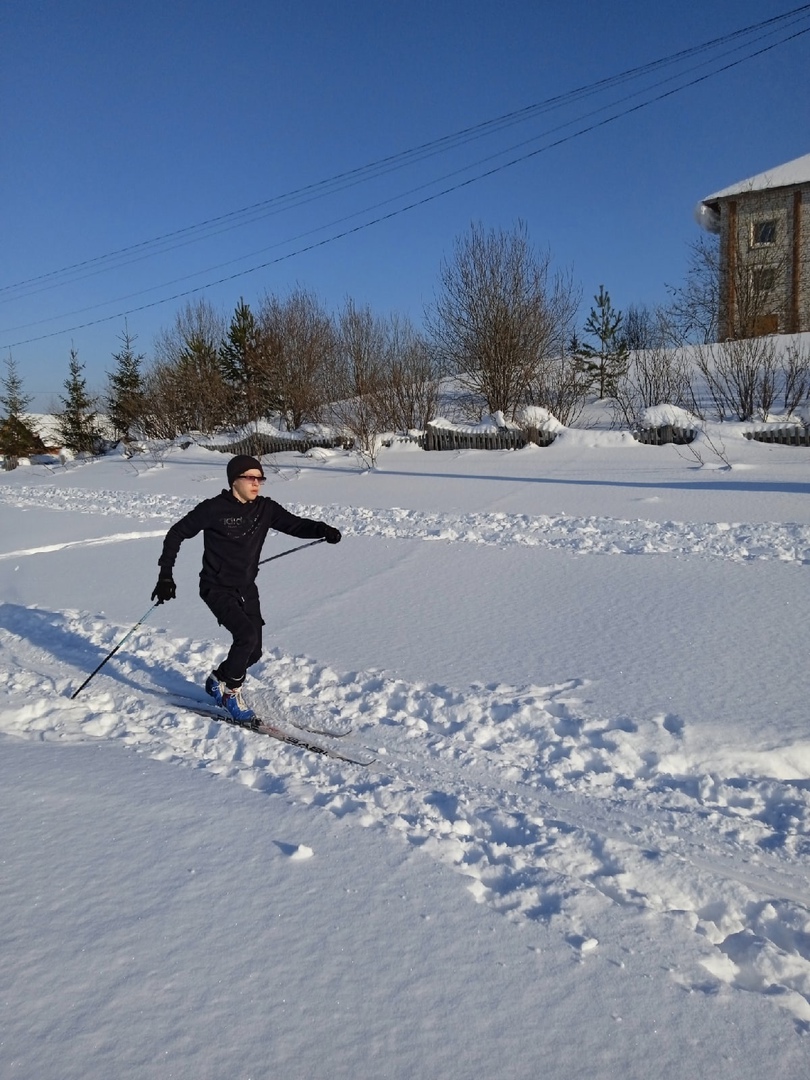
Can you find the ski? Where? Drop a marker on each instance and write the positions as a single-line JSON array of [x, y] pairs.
[[301, 725], [262, 727], [315, 729], [308, 744]]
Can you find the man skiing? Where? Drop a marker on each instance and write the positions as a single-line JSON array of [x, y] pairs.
[[234, 525]]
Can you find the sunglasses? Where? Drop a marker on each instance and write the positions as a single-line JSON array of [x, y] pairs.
[[253, 479]]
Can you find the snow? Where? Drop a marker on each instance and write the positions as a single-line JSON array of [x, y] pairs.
[[537, 416], [496, 422], [581, 851], [662, 415], [796, 171]]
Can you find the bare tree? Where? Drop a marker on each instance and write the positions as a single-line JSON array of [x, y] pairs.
[[499, 313], [740, 376], [410, 387], [383, 378], [165, 408], [184, 390], [198, 326], [695, 305], [646, 327], [561, 386], [795, 375], [654, 376], [357, 378]]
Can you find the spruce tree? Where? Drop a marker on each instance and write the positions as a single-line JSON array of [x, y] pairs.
[[13, 400], [125, 390], [605, 362], [238, 350], [78, 421], [243, 359], [16, 437]]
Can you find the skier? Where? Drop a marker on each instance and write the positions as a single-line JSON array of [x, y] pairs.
[[234, 525]]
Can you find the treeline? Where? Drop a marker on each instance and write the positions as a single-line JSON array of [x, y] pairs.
[[290, 360], [504, 324]]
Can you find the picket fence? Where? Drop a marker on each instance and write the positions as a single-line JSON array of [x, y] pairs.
[[445, 438], [434, 438], [259, 443], [665, 433], [790, 435]]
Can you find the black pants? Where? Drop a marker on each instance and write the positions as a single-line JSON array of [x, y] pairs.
[[241, 616]]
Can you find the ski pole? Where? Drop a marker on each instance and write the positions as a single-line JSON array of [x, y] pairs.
[[142, 619], [289, 551]]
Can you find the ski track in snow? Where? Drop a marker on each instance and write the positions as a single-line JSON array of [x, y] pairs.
[[117, 538], [547, 814], [595, 535]]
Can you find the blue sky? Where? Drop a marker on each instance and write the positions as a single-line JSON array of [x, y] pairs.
[[125, 123]]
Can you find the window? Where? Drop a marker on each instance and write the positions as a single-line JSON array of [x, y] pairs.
[[763, 233], [763, 280]]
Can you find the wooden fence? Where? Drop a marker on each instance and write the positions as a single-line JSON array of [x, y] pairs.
[[446, 438], [261, 443], [791, 435], [666, 433], [434, 438]]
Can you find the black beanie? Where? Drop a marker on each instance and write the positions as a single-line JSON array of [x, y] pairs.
[[240, 464]]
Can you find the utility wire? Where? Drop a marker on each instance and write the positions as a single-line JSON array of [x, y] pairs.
[[426, 199], [300, 196], [408, 193]]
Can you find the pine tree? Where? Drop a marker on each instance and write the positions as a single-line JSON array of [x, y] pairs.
[[606, 362], [18, 440], [16, 437], [125, 390], [13, 400], [239, 346], [77, 422], [244, 365]]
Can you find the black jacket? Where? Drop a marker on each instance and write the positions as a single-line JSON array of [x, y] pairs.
[[233, 535]]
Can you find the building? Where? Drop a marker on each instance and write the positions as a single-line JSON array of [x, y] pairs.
[[764, 228]]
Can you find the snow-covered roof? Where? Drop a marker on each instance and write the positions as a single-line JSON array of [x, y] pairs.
[[792, 172]]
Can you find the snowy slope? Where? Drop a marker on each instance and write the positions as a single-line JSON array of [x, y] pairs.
[[582, 848]]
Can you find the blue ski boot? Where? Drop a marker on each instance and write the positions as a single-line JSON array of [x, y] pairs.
[[234, 704]]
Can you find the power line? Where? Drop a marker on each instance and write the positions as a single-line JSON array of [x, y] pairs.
[[321, 189], [428, 198], [405, 194]]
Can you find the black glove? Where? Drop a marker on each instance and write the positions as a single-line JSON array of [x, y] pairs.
[[331, 535], [164, 590]]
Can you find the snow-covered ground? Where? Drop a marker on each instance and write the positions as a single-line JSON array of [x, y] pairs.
[[582, 850]]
